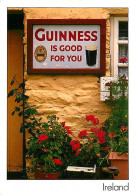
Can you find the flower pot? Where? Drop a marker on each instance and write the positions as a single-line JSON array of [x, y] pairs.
[[40, 175], [121, 162]]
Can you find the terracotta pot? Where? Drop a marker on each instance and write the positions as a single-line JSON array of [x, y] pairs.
[[39, 175], [121, 162]]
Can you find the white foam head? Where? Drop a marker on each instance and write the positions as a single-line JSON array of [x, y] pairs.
[[91, 47]]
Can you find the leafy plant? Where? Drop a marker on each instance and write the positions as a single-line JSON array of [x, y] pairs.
[[117, 124], [90, 145]]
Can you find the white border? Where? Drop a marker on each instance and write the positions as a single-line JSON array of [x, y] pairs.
[[66, 187]]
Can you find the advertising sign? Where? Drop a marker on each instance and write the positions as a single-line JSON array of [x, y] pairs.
[[66, 46]]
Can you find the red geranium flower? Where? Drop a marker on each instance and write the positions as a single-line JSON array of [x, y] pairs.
[[89, 117], [66, 127], [75, 144], [63, 123], [123, 129], [93, 129], [77, 152], [123, 60], [95, 121], [100, 135], [69, 132], [111, 134], [82, 133], [102, 140], [57, 161], [43, 137]]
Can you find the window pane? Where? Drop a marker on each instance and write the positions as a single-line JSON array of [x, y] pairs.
[[123, 30], [123, 53], [122, 71]]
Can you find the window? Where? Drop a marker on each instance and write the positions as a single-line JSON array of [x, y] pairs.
[[119, 46]]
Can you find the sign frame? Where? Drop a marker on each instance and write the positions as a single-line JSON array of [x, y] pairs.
[[101, 70]]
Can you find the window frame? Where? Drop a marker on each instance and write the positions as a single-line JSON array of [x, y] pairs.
[[114, 42]]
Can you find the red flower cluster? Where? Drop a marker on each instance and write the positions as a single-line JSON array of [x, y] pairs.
[[82, 133], [57, 161], [111, 134], [75, 144], [101, 136], [89, 117], [93, 129], [123, 60], [94, 120], [123, 129], [43, 137], [68, 131]]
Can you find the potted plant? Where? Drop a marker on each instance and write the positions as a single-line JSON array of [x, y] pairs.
[[116, 127], [50, 149]]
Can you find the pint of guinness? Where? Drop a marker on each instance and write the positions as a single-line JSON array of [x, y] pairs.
[[91, 53]]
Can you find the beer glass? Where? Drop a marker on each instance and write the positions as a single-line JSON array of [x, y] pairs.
[[91, 53]]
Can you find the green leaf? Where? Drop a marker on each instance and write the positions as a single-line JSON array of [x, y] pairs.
[[13, 113], [45, 125], [19, 98], [20, 113], [11, 93], [17, 109], [22, 128], [12, 82], [25, 97], [59, 151], [22, 85]]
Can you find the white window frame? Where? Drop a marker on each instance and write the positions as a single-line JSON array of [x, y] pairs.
[[114, 42]]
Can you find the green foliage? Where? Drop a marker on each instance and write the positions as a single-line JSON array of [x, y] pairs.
[[118, 117]]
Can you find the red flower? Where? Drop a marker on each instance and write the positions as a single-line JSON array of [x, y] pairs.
[[66, 127], [111, 134], [123, 60], [123, 129], [102, 140], [57, 161], [93, 129], [77, 152], [95, 121], [82, 133], [105, 148], [100, 135], [63, 123], [43, 137], [69, 132], [89, 117], [75, 144]]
